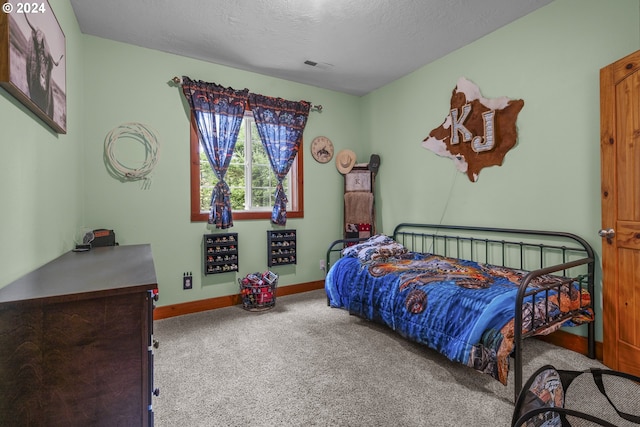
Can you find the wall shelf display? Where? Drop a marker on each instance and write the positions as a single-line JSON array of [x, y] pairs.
[[220, 253], [281, 247]]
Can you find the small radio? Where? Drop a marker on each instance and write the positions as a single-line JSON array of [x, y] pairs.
[[96, 238], [103, 237]]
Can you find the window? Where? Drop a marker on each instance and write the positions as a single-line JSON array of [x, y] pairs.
[[250, 178]]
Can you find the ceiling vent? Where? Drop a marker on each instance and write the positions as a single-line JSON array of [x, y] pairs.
[[319, 65]]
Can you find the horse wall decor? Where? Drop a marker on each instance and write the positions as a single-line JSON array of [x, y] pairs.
[[32, 54]]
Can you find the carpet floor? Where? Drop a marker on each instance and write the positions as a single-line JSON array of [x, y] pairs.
[[304, 363]]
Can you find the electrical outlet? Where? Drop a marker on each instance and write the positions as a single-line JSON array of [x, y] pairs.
[[323, 265], [187, 280]]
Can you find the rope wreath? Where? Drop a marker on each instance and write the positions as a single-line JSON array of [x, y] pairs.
[[140, 133]]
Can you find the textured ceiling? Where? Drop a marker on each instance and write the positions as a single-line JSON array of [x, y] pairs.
[[358, 45]]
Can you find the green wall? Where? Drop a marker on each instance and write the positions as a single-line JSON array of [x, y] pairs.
[[131, 84], [41, 173], [51, 185], [551, 59], [551, 180]]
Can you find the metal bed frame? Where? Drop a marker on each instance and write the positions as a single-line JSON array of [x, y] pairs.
[[539, 252]]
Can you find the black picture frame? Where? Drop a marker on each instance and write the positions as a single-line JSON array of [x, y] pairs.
[[33, 60]]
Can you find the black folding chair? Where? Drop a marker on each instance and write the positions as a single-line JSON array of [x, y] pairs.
[[595, 397]]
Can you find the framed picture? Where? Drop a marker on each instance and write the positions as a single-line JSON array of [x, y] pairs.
[[358, 179], [33, 60]]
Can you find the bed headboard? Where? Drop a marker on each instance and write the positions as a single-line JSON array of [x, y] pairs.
[[514, 248]]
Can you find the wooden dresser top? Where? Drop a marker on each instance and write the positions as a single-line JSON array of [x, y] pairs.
[[101, 271]]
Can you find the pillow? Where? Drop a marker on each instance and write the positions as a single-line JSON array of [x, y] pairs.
[[373, 241], [376, 247], [387, 252]]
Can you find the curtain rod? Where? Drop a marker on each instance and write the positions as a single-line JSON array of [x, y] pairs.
[[178, 80]]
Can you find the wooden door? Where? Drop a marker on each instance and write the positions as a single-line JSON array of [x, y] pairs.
[[620, 193]]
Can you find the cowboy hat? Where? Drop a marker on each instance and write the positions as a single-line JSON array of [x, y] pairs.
[[374, 163], [345, 160]]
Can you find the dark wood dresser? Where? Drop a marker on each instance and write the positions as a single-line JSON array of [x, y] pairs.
[[76, 341]]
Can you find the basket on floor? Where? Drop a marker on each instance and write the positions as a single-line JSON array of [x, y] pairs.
[[595, 397], [258, 291]]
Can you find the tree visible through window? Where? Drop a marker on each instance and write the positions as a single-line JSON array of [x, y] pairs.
[[250, 178]]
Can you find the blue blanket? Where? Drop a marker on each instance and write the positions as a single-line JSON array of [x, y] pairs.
[[460, 308]]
